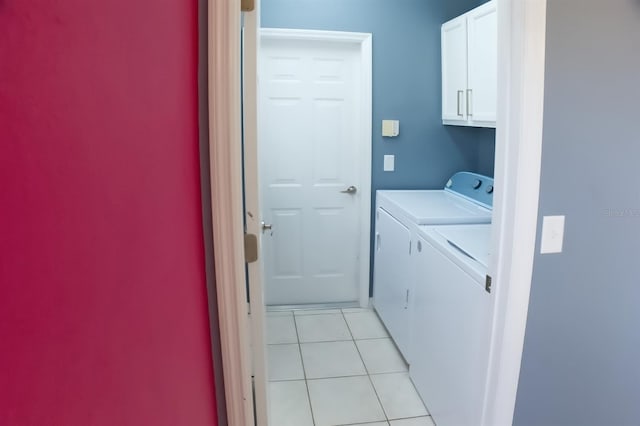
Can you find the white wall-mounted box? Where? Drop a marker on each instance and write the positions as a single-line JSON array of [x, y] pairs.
[[390, 128]]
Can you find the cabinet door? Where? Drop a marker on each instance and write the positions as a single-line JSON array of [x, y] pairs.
[[392, 277], [482, 24], [454, 70]]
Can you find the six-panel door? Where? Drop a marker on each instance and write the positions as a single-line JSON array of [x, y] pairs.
[[308, 115]]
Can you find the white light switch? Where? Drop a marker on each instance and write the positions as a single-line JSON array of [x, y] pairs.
[[389, 163], [552, 234]]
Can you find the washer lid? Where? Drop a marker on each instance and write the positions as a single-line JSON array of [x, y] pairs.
[[472, 240], [433, 207]]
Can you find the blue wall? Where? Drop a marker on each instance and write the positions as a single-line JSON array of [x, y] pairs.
[[581, 361], [406, 84]]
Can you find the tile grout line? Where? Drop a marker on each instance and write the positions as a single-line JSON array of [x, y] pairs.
[[366, 369], [282, 344], [304, 371], [320, 378], [375, 338]]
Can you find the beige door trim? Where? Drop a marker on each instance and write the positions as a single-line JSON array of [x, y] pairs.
[[226, 196]]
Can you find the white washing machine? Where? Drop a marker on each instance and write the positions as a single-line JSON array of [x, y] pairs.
[[452, 317], [466, 198]]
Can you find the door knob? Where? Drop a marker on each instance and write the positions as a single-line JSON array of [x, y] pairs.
[[266, 227], [350, 190]]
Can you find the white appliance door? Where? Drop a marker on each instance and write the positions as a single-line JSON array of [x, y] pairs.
[[450, 343], [307, 131], [392, 278]]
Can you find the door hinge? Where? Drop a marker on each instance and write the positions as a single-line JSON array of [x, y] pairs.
[[250, 248], [247, 5], [487, 284]]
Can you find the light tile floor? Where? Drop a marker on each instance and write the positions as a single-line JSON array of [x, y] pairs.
[[337, 367]]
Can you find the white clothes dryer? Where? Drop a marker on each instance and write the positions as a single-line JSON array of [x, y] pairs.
[[451, 322]]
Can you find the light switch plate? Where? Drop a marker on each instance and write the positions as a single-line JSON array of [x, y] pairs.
[[389, 163], [552, 234]]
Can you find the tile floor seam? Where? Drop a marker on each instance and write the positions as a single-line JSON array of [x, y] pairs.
[[374, 338], [390, 372], [335, 377], [412, 417], [321, 341], [286, 380], [304, 371], [366, 369]]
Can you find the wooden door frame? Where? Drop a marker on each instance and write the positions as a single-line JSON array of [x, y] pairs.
[[363, 41], [253, 219], [226, 203], [521, 30]]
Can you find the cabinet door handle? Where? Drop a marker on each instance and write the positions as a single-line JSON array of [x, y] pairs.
[[469, 102], [377, 241], [460, 93]]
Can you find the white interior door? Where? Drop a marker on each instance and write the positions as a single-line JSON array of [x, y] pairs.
[[309, 112]]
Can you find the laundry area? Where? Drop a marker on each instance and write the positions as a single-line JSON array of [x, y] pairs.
[[376, 153]]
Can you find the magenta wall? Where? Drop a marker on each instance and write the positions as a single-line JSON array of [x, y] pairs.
[[103, 308]]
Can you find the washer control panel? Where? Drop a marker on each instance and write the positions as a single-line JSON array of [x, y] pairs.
[[478, 188]]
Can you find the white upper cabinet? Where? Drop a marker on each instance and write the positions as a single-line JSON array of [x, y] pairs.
[[454, 69], [470, 67]]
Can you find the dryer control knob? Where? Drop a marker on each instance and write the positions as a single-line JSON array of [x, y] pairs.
[[477, 183], [489, 189]]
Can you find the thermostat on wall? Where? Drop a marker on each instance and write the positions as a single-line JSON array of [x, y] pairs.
[[390, 128]]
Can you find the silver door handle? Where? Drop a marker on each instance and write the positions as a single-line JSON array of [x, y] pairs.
[[460, 93], [469, 102], [350, 190], [266, 227]]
